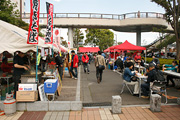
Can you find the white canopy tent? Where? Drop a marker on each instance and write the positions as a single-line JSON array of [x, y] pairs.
[[13, 38]]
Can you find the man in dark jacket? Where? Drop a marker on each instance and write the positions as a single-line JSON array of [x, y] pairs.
[[151, 77], [59, 64], [19, 69], [119, 63]]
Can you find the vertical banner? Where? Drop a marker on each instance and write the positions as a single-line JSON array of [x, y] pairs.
[[57, 39], [49, 28], [34, 22]]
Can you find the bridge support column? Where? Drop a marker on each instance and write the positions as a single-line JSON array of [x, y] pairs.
[[70, 36], [138, 37]]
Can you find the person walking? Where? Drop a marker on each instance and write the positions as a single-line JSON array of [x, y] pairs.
[[85, 60], [99, 60], [59, 64], [74, 64]]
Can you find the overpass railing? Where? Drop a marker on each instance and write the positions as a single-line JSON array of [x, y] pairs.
[[102, 16]]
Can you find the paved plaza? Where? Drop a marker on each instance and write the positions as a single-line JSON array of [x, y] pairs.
[[97, 99], [169, 112], [94, 93]]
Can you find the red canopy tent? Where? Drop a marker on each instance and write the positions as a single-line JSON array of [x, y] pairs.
[[88, 49], [127, 46]]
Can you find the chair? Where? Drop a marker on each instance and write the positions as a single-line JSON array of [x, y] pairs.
[[125, 84], [159, 87]]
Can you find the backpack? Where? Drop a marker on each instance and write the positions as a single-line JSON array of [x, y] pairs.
[[159, 76]]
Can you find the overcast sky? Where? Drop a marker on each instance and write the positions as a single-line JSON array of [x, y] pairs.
[[106, 7]]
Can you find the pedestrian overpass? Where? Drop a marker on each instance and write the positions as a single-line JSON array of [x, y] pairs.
[[131, 22]]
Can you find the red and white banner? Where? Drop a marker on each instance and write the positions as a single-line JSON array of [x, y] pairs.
[[49, 32], [34, 22]]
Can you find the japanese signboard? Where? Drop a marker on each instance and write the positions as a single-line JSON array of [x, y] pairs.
[[49, 28], [34, 22]]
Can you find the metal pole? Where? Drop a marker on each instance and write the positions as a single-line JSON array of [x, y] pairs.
[[20, 9], [53, 35], [37, 64], [145, 56], [114, 60]]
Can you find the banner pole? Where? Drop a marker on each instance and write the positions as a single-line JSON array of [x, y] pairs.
[[37, 64], [52, 33]]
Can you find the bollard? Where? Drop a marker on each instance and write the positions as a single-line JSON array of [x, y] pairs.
[[178, 101], [155, 103], [116, 104]]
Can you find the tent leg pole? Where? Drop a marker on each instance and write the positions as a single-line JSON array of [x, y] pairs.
[[52, 51], [37, 65], [145, 56], [114, 60]]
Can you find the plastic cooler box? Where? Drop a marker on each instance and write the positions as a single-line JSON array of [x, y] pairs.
[[50, 85]]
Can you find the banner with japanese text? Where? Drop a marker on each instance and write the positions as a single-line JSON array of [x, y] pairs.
[[34, 22], [49, 28]]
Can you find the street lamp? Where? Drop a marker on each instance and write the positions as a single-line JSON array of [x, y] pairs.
[[116, 38], [20, 9]]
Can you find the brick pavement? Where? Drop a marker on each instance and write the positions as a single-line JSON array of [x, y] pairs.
[[169, 112]]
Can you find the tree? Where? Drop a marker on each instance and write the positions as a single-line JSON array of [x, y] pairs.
[[103, 38], [64, 43], [10, 15], [172, 8], [77, 37], [119, 43]]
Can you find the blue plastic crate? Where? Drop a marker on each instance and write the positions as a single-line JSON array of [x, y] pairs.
[[50, 85]]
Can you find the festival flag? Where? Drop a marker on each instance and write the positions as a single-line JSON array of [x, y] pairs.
[[34, 22], [49, 32]]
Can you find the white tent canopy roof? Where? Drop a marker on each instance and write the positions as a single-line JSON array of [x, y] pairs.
[[13, 38]]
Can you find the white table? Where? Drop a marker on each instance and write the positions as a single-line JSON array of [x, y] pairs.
[[146, 64], [140, 79], [139, 67], [171, 73]]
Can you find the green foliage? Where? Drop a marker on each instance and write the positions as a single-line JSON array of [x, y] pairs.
[[78, 37], [64, 43], [7, 7], [8, 14], [172, 8], [103, 38], [168, 40], [119, 43], [161, 60]]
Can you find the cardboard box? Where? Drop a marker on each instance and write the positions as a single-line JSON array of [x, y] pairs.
[[27, 87], [26, 96]]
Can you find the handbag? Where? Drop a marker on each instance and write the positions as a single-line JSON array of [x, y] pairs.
[[134, 78], [101, 67]]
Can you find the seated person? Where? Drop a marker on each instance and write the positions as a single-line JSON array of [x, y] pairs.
[[156, 62], [138, 56], [174, 68], [5, 67], [119, 63], [128, 78], [151, 77], [142, 62]]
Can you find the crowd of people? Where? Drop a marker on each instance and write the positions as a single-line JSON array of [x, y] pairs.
[[126, 64]]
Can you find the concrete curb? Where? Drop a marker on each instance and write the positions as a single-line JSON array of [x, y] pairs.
[[47, 106]]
